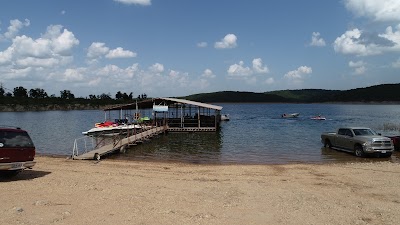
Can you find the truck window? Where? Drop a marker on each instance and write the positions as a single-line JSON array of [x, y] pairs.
[[349, 133], [10, 139], [342, 131], [364, 132]]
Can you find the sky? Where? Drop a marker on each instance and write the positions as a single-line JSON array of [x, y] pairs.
[[170, 48]]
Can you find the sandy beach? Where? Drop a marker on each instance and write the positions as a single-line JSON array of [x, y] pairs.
[[64, 191]]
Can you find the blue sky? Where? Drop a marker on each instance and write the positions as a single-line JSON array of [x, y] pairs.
[[177, 47]]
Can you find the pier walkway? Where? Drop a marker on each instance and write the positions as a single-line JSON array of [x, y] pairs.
[[119, 145]]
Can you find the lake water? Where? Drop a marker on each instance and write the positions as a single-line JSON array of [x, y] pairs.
[[256, 134]]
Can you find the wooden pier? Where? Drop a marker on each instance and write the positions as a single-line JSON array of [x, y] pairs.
[[121, 144]]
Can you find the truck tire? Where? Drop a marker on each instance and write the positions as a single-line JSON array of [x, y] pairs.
[[327, 143], [358, 151], [96, 156]]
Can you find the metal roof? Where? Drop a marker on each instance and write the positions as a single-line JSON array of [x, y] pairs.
[[200, 104], [148, 103]]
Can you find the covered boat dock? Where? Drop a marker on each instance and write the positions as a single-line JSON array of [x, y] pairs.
[[178, 115], [153, 116]]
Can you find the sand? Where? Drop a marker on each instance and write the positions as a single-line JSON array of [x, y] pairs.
[[64, 191]]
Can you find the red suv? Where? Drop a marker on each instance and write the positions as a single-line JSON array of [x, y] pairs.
[[17, 151]]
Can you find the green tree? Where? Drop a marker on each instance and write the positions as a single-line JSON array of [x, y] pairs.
[[66, 94], [2, 92], [20, 92], [105, 96], [123, 96], [119, 95], [92, 97], [37, 93]]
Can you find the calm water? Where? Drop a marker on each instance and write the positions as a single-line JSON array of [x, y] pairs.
[[255, 134]]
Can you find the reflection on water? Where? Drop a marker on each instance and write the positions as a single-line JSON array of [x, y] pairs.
[[256, 134], [182, 147], [332, 155]]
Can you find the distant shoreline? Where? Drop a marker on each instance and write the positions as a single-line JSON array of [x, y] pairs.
[[49, 107], [71, 107]]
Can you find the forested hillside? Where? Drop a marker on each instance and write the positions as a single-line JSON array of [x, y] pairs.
[[378, 93], [37, 99]]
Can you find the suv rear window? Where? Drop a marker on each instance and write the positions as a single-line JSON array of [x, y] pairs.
[[11, 139]]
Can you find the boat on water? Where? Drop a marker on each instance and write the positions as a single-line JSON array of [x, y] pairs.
[[110, 128], [319, 117], [225, 117], [290, 115]]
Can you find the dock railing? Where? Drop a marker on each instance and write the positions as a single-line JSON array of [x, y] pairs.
[[83, 145], [118, 142]]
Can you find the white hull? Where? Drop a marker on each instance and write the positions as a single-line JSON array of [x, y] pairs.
[[112, 129], [290, 115], [225, 117], [318, 118]]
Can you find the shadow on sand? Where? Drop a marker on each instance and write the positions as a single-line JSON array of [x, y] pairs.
[[24, 175]]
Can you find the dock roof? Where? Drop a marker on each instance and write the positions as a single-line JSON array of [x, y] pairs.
[[148, 103]]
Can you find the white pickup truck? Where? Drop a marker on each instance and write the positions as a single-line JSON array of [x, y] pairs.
[[361, 141]]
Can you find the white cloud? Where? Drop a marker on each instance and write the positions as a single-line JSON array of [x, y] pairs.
[[229, 41], [157, 68], [135, 2], [362, 43], [178, 78], [239, 70], [120, 53], [63, 12], [95, 82], [316, 40], [258, 66], [36, 62], [356, 64], [62, 41], [113, 72], [359, 67], [202, 44], [349, 43], [97, 49], [24, 46], [247, 74], [6, 56], [208, 74], [384, 10], [394, 37], [299, 74], [14, 28], [73, 74], [52, 50], [9, 73]]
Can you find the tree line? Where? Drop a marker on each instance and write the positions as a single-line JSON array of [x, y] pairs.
[[21, 95]]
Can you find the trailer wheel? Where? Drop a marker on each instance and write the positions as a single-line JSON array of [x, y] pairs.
[[122, 149], [327, 143], [358, 151], [96, 156]]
